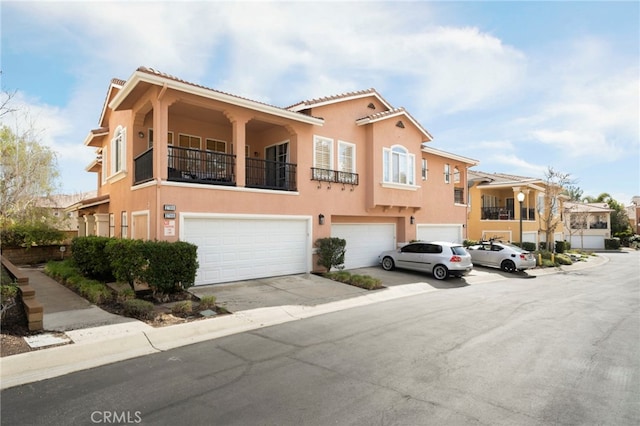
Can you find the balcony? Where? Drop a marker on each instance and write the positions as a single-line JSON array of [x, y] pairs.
[[503, 213], [215, 168], [334, 176]]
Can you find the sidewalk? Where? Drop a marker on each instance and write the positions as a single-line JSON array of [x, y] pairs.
[[101, 338]]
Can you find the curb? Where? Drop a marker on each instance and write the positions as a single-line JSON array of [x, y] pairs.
[[96, 346]]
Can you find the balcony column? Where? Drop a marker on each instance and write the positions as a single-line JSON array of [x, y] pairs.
[[160, 132], [82, 226], [239, 138]]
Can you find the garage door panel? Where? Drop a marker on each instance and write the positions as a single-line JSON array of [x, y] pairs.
[[365, 242], [237, 249], [451, 233]]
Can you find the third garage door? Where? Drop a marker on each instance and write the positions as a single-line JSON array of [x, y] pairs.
[[365, 242]]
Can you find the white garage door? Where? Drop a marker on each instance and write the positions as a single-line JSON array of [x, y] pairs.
[[233, 249], [449, 233], [587, 242], [365, 242]]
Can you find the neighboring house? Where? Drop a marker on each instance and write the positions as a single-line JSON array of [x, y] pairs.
[[254, 185], [633, 212], [494, 209], [65, 219], [587, 225]]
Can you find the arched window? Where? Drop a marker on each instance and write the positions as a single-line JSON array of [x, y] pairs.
[[399, 165], [118, 150]]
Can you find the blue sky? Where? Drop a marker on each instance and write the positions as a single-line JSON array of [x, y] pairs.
[[519, 86]]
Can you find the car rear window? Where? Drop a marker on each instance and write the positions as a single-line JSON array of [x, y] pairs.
[[459, 250]]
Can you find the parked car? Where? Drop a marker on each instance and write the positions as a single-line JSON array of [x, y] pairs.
[[438, 258], [508, 257]]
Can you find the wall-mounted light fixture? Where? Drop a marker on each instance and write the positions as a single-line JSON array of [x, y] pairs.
[[412, 220], [321, 219], [141, 134]]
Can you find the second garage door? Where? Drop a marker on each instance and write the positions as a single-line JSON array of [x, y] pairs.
[[365, 242], [233, 249], [449, 233]]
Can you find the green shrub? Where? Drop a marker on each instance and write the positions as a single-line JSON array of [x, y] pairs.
[[207, 302], [182, 308], [370, 283], [138, 308], [529, 246], [171, 267], [127, 259], [61, 270], [612, 243], [29, 234], [563, 259], [94, 291], [547, 263], [469, 243], [90, 256], [331, 252], [562, 246], [125, 294], [8, 292]]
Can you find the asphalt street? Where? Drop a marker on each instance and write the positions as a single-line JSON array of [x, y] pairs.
[[560, 349]]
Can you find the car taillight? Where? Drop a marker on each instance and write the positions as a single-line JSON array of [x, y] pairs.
[[455, 259], [522, 256]]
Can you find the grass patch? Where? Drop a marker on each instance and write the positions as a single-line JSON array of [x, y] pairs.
[[363, 281], [207, 302]]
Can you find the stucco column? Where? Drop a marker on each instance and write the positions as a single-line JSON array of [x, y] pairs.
[[239, 143], [90, 224], [82, 226], [102, 224]]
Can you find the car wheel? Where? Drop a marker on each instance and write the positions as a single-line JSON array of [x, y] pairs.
[[387, 264], [440, 272], [508, 266]]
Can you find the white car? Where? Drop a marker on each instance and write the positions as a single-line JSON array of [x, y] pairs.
[[438, 258], [508, 257]]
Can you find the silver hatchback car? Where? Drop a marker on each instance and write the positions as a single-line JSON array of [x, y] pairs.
[[441, 259], [508, 257]]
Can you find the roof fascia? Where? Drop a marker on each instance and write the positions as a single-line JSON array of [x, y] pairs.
[[302, 106], [142, 77], [106, 102], [369, 120], [452, 156]]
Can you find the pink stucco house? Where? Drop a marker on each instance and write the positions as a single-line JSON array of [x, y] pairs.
[[255, 185]]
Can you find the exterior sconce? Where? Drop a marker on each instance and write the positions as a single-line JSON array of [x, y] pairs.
[[321, 219], [412, 220], [141, 135]]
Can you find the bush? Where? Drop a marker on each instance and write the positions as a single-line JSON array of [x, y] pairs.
[[331, 252], [30, 234], [563, 259], [62, 270], [547, 263], [67, 272], [171, 267], [612, 243], [140, 309], [125, 294], [127, 259], [362, 281], [207, 302], [469, 243], [182, 308], [94, 291], [529, 246], [562, 246], [89, 254]]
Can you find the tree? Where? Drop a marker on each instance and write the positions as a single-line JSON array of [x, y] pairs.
[[574, 193], [549, 210], [28, 172]]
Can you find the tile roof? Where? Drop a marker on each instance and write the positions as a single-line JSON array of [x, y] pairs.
[[500, 178], [338, 98]]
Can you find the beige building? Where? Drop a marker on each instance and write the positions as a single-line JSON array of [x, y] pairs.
[[255, 185], [587, 225]]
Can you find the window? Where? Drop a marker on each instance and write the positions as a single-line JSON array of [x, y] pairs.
[[187, 141], [456, 175], [323, 153], [118, 151], [215, 145], [447, 173], [123, 224], [458, 195], [346, 157], [424, 169], [398, 165], [112, 225]]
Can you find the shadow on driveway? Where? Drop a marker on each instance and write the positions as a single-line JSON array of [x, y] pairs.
[[403, 276]]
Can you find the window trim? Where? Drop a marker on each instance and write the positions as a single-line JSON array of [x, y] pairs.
[[447, 173], [118, 150], [425, 169]]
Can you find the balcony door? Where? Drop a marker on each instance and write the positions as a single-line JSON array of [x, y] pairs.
[[277, 157]]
